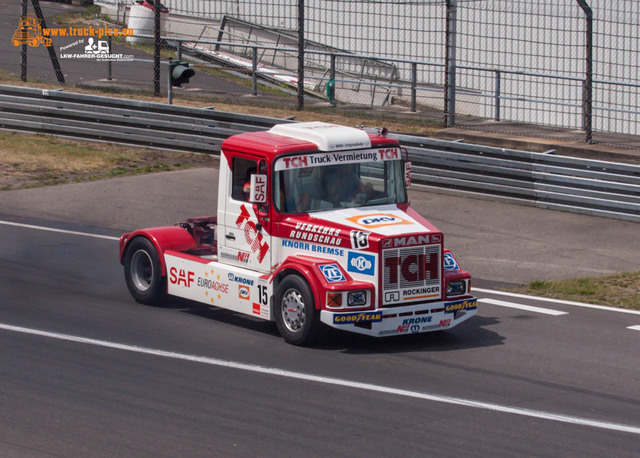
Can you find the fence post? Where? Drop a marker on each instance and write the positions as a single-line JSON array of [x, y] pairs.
[[254, 71], [498, 91], [23, 52], [414, 83], [52, 53], [450, 65], [587, 102], [156, 49], [300, 55], [109, 63]]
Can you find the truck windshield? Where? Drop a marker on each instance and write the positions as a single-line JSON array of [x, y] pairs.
[[300, 189]]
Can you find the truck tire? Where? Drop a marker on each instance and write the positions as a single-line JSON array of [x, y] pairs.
[[295, 312], [142, 272]]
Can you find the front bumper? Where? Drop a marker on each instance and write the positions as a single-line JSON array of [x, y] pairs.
[[410, 319]]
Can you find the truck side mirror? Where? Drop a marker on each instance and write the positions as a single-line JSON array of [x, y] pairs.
[[258, 194], [407, 174]]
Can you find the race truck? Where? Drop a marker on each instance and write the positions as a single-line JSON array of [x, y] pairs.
[[313, 226]]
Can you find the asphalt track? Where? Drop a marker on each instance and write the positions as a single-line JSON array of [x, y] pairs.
[[87, 371]]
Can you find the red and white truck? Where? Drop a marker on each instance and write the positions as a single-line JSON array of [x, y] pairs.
[[313, 226]]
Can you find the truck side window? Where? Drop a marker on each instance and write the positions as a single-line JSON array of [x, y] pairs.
[[241, 170]]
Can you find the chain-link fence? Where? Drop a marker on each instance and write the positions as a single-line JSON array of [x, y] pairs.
[[490, 64]]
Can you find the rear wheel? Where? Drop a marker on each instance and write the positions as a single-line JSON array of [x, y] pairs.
[[297, 319], [142, 272]]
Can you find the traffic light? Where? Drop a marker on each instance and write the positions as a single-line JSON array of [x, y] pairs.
[[179, 72]]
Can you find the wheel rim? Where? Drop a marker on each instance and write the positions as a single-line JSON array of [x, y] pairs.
[[141, 270], [293, 313]]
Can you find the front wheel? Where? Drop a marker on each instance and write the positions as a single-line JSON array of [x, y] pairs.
[[142, 272], [296, 316]]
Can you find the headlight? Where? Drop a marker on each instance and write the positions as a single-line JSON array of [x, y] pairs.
[[456, 288], [357, 299]]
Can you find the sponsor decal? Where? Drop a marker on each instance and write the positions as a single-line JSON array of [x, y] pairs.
[[361, 263], [445, 323], [358, 317], [391, 296], [378, 220], [213, 285], [327, 250], [332, 273], [413, 273], [420, 320], [412, 324], [468, 304], [315, 233], [429, 291], [253, 237], [343, 157], [411, 268], [255, 308], [450, 262], [389, 154], [412, 240], [181, 277], [243, 292], [359, 240], [236, 256], [236, 279], [258, 191]]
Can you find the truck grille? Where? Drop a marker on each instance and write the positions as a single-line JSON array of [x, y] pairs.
[[411, 274]]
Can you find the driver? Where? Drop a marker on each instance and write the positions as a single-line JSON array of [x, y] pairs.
[[342, 184]]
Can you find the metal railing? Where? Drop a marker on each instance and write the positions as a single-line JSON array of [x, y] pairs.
[[539, 179]]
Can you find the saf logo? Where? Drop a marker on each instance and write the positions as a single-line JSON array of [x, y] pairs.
[[258, 192], [181, 277], [332, 273]]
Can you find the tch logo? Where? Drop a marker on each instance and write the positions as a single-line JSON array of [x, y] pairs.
[[414, 268], [253, 236]]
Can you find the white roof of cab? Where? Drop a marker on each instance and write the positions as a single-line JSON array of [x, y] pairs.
[[328, 137]]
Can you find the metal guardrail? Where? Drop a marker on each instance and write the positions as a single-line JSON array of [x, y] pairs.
[[538, 179], [133, 122]]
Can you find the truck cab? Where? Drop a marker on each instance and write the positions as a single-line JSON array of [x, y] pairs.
[[313, 228]]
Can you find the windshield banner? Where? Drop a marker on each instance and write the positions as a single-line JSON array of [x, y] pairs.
[[341, 157]]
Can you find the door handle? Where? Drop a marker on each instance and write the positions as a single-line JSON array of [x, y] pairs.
[[230, 236]]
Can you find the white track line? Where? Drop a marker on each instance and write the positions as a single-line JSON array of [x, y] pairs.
[[61, 231], [634, 328], [556, 301], [528, 308], [335, 381]]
